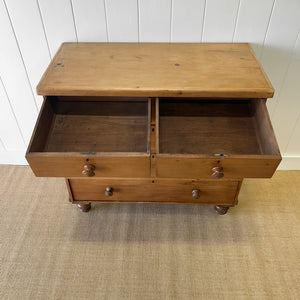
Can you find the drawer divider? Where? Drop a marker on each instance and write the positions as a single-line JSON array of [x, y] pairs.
[[154, 136]]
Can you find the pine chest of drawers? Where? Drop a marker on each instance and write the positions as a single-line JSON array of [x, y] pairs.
[[162, 123]]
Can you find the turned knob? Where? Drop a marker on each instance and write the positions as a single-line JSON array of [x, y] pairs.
[[109, 191], [88, 170], [217, 172], [196, 194]]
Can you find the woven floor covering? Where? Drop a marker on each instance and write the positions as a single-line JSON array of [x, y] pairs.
[[51, 250]]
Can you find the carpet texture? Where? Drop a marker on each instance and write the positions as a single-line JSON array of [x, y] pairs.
[[51, 250]]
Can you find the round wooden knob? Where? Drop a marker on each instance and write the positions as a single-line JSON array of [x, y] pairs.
[[217, 169], [88, 170], [109, 191], [217, 172], [196, 194], [217, 175]]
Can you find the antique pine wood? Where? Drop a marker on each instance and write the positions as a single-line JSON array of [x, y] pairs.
[[162, 123], [198, 127], [166, 191], [113, 136], [193, 130], [160, 69], [264, 128], [192, 134], [246, 166], [75, 126], [71, 164]]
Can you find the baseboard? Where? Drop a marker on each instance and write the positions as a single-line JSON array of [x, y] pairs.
[[13, 158], [290, 163], [18, 158]]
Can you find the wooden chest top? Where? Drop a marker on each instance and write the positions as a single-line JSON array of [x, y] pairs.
[[156, 70]]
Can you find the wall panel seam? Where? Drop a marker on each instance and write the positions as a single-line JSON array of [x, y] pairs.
[[236, 19], [138, 19], [21, 56], [298, 117], [291, 56], [44, 30], [292, 133], [3, 146], [73, 15], [203, 20], [171, 21], [267, 30], [278, 90], [106, 19], [13, 112]]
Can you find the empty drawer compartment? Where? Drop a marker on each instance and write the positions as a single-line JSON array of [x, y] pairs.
[[101, 138], [215, 139]]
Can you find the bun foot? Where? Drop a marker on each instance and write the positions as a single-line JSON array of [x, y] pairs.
[[221, 210], [84, 207]]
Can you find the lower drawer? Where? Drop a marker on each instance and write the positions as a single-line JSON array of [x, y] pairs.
[[159, 190]]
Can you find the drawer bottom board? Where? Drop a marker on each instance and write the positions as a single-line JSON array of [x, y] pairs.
[[156, 191]]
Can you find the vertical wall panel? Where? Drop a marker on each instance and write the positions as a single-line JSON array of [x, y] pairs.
[[9, 131], [31, 39], [293, 147], [122, 20], [1, 146], [59, 22], [280, 40], [219, 20], [14, 77], [155, 20], [187, 20], [90, 20], [252, 23], [288, 108]]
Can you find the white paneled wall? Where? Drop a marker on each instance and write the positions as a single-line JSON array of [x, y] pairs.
[[155, 20], [186, 16], [95, 30], [122, 20], [31, 32], [220, 20]]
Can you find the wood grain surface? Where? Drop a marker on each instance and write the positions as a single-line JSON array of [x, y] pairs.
[[205, 127], [112, 136], [71, 164], [236, 166], [160, 190], [155, 69]]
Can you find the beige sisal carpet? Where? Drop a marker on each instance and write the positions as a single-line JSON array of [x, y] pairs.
[[50, 250]]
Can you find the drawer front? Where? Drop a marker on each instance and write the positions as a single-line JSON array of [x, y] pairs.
[[76, 166], [226, 168], [168, 191]]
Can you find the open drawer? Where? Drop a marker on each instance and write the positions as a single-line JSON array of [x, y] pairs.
[[91, 136], [214, 139]]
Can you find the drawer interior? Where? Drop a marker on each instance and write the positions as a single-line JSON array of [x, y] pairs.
[[215, 127], [71, 124]]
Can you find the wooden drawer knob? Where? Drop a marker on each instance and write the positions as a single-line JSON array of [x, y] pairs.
[[217, 172], [88, 170], [109, 191], [196, 194]]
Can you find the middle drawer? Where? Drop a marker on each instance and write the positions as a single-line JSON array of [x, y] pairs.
[[159, 190]]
